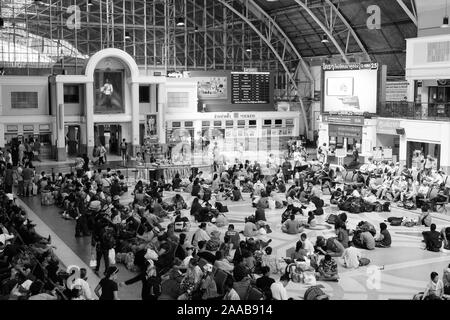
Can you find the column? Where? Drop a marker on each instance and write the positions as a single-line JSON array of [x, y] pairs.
[[445, 148], [135, 117], [61, 154], [2, 135], [89, 116], [402, 150], [162, 102]]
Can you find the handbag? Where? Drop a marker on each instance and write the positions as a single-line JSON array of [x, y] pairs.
[[112, 256]]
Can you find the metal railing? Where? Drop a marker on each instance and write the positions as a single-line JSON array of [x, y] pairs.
[[413, 110]]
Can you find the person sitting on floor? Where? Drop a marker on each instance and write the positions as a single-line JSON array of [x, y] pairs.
[[367, 241], [327, 270], [432, 239], [353, 258], [292, 226], [384, 240], [330, 246], [435, 288]]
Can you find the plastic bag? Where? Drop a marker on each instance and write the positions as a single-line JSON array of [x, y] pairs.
[[309, 278], [93, 261], [112, 256]]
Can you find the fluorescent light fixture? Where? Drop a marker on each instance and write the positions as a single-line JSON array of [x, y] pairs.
[[248, 50], [127, 36], [325, 39]]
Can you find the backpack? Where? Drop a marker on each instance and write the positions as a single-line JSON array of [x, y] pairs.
[[395, 221], [355, 207], [368, 207], [378, 207], [123, 146], [332, 218], [410, 205]]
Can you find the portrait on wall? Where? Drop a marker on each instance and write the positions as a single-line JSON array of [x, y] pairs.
[[212, 87], [151, 125], [108, 91]]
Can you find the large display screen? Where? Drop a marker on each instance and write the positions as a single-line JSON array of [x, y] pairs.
[[350, 88], [250, 87]]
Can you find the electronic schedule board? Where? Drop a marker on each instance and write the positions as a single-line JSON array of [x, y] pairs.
[[250, 87]]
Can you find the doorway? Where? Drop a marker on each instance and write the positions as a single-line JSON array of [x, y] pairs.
[[72, 133], [108, 135]]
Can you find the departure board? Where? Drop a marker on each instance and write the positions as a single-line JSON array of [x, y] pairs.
[[250, 87]]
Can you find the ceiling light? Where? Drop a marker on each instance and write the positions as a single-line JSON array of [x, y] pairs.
[[127, 36], [445, 22], [180, 22], [325, 39], [89, 3], [37, 2], [248, 50]]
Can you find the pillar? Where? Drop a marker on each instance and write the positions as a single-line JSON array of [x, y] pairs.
[[162, 102], [445, 148], [89, 113], [135, 117], [2, 135], [61, 154]]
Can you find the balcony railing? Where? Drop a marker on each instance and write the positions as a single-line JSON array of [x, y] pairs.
[[413, 110]]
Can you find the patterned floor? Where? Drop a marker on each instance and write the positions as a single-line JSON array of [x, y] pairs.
[[394, 273], [405, 267]]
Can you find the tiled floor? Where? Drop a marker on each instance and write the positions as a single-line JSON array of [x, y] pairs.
[[406, 266]]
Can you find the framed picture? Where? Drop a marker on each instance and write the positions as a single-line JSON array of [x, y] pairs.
[[108, 91], [151, 125]]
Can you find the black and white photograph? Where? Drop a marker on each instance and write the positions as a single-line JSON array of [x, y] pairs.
[[230, 158]]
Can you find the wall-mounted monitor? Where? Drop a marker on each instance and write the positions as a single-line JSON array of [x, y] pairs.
[[350, 88]]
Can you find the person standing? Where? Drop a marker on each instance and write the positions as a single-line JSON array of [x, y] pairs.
[[108, 289], [102, 155], [37, 150], [9, 178], [124, 150], [21, 151], [27, 175]]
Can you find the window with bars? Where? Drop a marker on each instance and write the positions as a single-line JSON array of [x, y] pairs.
[[24, 100]]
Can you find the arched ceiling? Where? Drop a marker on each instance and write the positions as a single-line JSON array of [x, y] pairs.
[[214, 37]]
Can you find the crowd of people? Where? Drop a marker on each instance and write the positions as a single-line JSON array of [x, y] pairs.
[[154, 233]]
